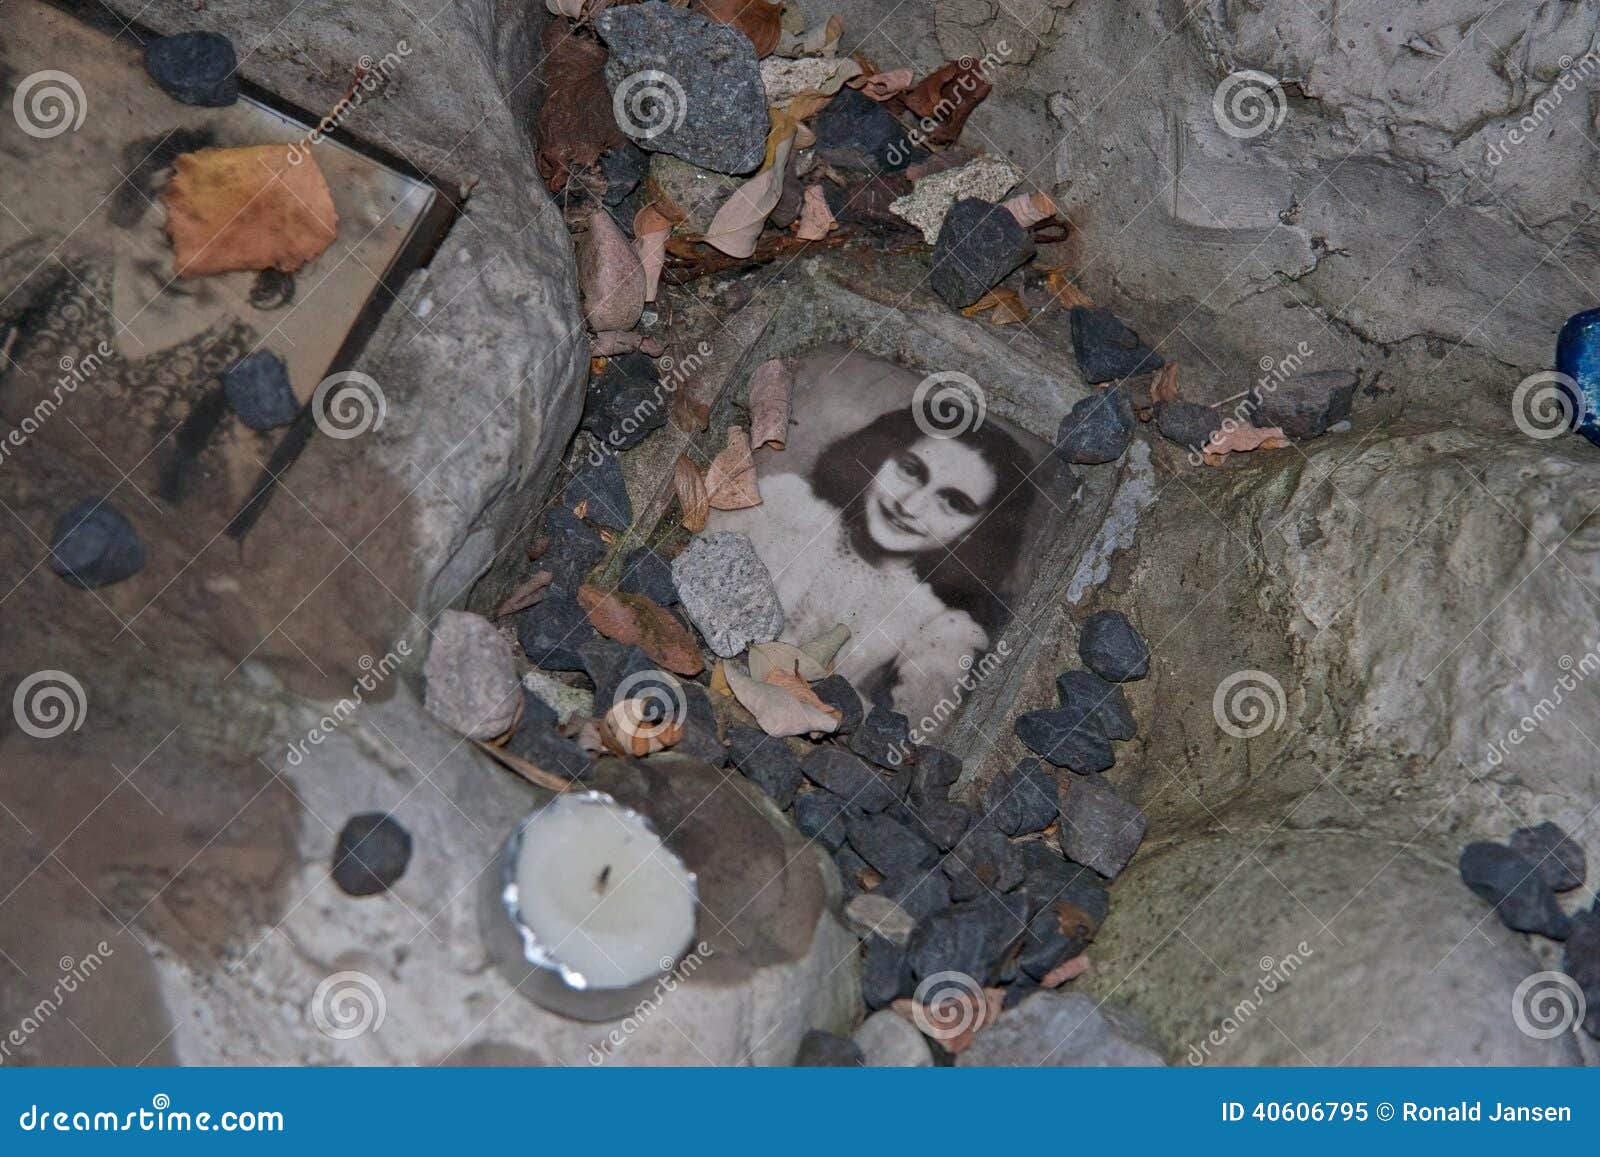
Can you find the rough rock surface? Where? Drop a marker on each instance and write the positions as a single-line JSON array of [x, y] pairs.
[[727, 591], [1066, 1030]]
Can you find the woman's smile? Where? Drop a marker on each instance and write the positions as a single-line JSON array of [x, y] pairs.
[[927, 496]]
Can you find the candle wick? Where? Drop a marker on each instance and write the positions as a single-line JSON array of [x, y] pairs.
[[605, 876]]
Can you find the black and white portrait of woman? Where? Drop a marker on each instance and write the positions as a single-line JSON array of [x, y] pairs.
[[912, 535]]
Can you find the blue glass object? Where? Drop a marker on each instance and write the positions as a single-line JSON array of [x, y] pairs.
[[1578, 356]]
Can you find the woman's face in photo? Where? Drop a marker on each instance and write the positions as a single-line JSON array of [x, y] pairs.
[[927, 496]]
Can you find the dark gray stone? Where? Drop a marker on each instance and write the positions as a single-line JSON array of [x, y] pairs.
[[856, 132], [945, 822], [644, 572], [820, 815], [837, 693], [197, 68], [709, 108], [702, 737], [94, 545], [1513, 885], [847, 777], [624, 168], [1105, 701], [885, 972], [257, 388], [884, 738], [920, 892], [982, 863], [1581, 961], [1022, 800], [608, 663], [626, 402], [1098, 827], [1560, 860], [1189, 424], [1066, 736], [1048, 877], [970, 938], [1305, 406], [1107, 349], [820, 1049], [887, 844], [1057, 933], [766, 762], [936, 771], [371, 854], [851, 866], [1112, 648], [574, 548], [552, 633], [978, 245], [600, 485], [1097, 429], [537, 740]]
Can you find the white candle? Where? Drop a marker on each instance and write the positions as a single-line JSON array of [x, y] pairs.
[[605, 901]]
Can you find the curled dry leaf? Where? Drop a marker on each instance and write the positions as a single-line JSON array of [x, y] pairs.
[[947, 96], [1030, 208], [1068, 294], [1237, 437], [650, 228], [768, 657], [770, 387], [644, 623], [777, 709], [826, 645], [759, 20], [528, 593], [738, 222], [688, 413], [1065, 971], [1006, 304], [731, 477], [610, 276], [882, 86], [627, 731], [690, 488], [249, 208], [821, 40], [575, 124], [719, 680], [816, 219], [1165, 386]]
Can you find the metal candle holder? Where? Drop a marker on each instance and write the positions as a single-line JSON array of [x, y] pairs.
[[532, 967]]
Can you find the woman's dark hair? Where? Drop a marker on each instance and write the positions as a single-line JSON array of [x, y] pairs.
[[974, 574]]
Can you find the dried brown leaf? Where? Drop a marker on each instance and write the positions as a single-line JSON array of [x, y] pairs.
[[759, 20], [574, 125], [731, 477], [816, 219], [1030, 208], [1006, 304], [1068, 294], [1238, 437], [777, 711], [650, 229], [528, 593], [246, 209], [1165, 386], [947, 96], [770, 387], [690, 487], [644, 623], [882, 86], [738, 223], [688, 413], [531, 772]]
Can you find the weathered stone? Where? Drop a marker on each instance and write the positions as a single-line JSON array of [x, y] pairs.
[[987, 178], [644, 572], [572, 549], [979, 243], [1106, 348], [1096, 429], [258, 390], [1022, 800], [1105, 700], [1064, 1030], [686, 85], [1581, 961], [945, 822], [1058, 932], [1305, 406], [935, 772], [611, 277], [921, 891], [94, 545], [609, 664], [472, 685], [728, 592], [820, 1049], [1068, 737], [889, 1040], [1515, 888], [625, 403], [821, 816], [1098, 827], [1559, 858], [600, 485], [371, 854], [553, 632], [766, 762], [969, 938], [982, 863], [856, 132], [885, 972], [197, 68], [884, 738], [837, 693], [847, 777], [1189, 424], [1112, 648], [874, 914], [888, 845], [624, 168]]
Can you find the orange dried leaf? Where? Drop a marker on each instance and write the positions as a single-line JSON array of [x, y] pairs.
[[731, 477], [650, 229], [1030, 208], [1006, 304], [777, 711], [770, 387], [526, 595], [1165, 386], [249, 208], [1238, 437], [644, 623], [688, 413], [816, 219], [759, 20], [1068, 294], [881, 86], [1065, 971], [690, 487]]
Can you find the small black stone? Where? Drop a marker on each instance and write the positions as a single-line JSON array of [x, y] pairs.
[[1521, 898], [885, 972], [1106, 702], [884, 738], [822, 1050], [1189, 424], [936, 771], [847, 777], [856, 132], [1112, 648], [983, 862], [1305, 406], [371, 854], [600, 484], [702, 736], [1098, 827], [197, 68], [1581, 961], [609, 663], [1107, 349], [850, 866], [552, 632], [257, 388], [624, 167], [978, 245], [970, 938], [945, 822], [1057, 933], [919, 892], [1560, 860], [766, 762], [644, 572], [1097, 429], [538, 741], [574, 548], [1066, 736], [888, 845], [625, 403], [820, 815], [1022, 800], [837, 693], [94, 545], [1048, 877]]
